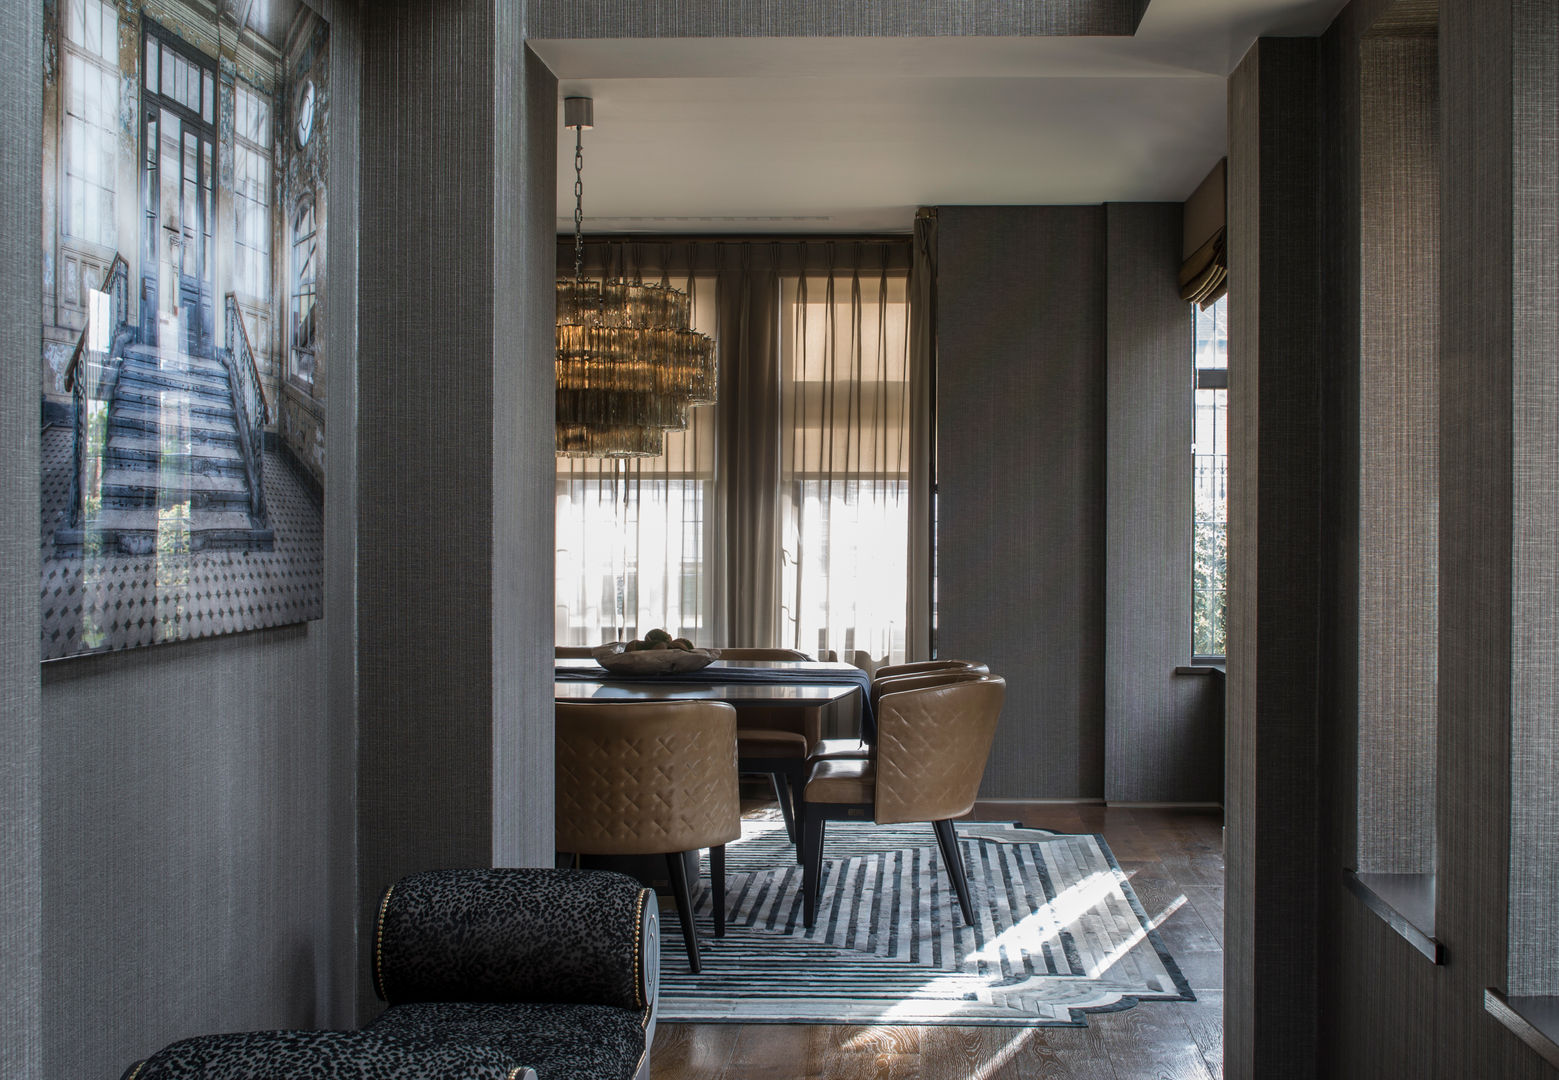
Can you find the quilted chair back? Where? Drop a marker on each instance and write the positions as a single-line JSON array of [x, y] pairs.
[[932, 743], [497, 935], [916, 667], [646, 778], [916, 679]]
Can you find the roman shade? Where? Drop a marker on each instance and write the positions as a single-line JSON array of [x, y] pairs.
[[1204, 271]]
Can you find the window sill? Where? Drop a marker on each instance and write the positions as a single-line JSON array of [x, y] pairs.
[[1405, 902], [1202, 667], [1535, 1020]]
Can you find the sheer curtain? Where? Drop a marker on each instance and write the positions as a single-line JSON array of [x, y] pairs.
[[781, 516], [844, 484], [634, 538]]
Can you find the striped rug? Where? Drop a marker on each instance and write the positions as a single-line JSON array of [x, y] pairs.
[[1060, 933]]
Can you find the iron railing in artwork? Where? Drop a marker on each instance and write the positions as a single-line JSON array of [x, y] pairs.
[[110, 342], [253, 412]]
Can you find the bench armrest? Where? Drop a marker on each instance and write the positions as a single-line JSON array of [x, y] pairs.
[[522, 935]]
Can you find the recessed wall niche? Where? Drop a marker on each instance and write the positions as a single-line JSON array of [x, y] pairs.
[[1399, 475]]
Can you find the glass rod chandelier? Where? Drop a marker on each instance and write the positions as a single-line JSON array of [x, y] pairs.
[[629, 365]]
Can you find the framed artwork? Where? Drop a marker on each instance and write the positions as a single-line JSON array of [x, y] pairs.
[[183, 369]]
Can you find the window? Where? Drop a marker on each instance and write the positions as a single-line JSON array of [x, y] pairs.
[[304, 271], [632, 538], [251, 194], [844, 463], [90, 100], [1210, 481]]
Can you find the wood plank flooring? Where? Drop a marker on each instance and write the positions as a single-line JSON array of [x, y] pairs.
[[1175, 861]]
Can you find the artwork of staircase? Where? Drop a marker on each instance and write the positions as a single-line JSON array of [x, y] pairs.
[[179, 453]]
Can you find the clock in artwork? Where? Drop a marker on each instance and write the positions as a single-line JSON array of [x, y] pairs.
[[303, 124]]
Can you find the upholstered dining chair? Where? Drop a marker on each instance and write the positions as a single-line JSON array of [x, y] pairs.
[[651, 778], [825, 749], [572, 652], [774, 742], [932, 743]]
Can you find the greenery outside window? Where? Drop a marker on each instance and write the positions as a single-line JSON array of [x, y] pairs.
[[1210, 481]]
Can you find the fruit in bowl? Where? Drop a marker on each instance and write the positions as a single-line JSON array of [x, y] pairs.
[[657, 653]]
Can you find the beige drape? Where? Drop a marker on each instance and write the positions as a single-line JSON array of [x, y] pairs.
[[746, 573], [780, 518]]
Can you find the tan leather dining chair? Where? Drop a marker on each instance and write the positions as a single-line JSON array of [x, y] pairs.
[[651, 778], [857, 748], [932, 743], [572, 652]]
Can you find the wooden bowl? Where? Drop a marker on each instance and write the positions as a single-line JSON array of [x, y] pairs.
[[615, 658]]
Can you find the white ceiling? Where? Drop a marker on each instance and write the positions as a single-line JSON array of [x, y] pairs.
[[775, 135]]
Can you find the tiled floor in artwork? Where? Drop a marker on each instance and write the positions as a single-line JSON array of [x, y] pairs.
[[123, 601]]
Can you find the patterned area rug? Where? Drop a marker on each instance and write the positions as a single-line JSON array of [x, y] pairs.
[[1060, 933]]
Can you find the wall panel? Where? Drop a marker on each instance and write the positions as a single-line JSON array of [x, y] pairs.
[[455, 523], [21, 884], [1163, 733], [1275, 425], [1021, 467]]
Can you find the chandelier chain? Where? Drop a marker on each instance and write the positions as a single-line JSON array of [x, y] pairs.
[[579, 204]]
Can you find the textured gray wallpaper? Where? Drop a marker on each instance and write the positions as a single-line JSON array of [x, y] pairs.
[[1276, 334], [1399, 462], [455, 523], [1496, 611], [811, 18], [524, 474], [198, 867], [21, 886], [1020, 547], [1534, 787], [1163, 733]]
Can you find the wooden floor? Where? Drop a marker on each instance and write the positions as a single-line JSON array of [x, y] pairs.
[[1175, 861]]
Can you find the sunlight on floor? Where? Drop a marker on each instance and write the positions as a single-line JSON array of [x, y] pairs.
[[1154, 922], [1033, 931]]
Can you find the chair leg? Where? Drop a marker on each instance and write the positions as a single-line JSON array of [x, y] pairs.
[[785, 793], [947, 840], [717, 885], [811, 866], [684, 906], [798, 785]]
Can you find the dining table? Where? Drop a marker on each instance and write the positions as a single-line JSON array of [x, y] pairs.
[[797, 683]]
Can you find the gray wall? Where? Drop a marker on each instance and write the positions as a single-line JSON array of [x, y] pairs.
[[1496, 649], [196, 799], [21, 883], [455, 737], [1317, 984], [1275, 423], [1020, 434], [1063, 547], [1399, 440], [1163, 733]]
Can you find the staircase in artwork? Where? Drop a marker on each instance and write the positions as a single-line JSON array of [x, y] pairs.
[[174, 469]]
